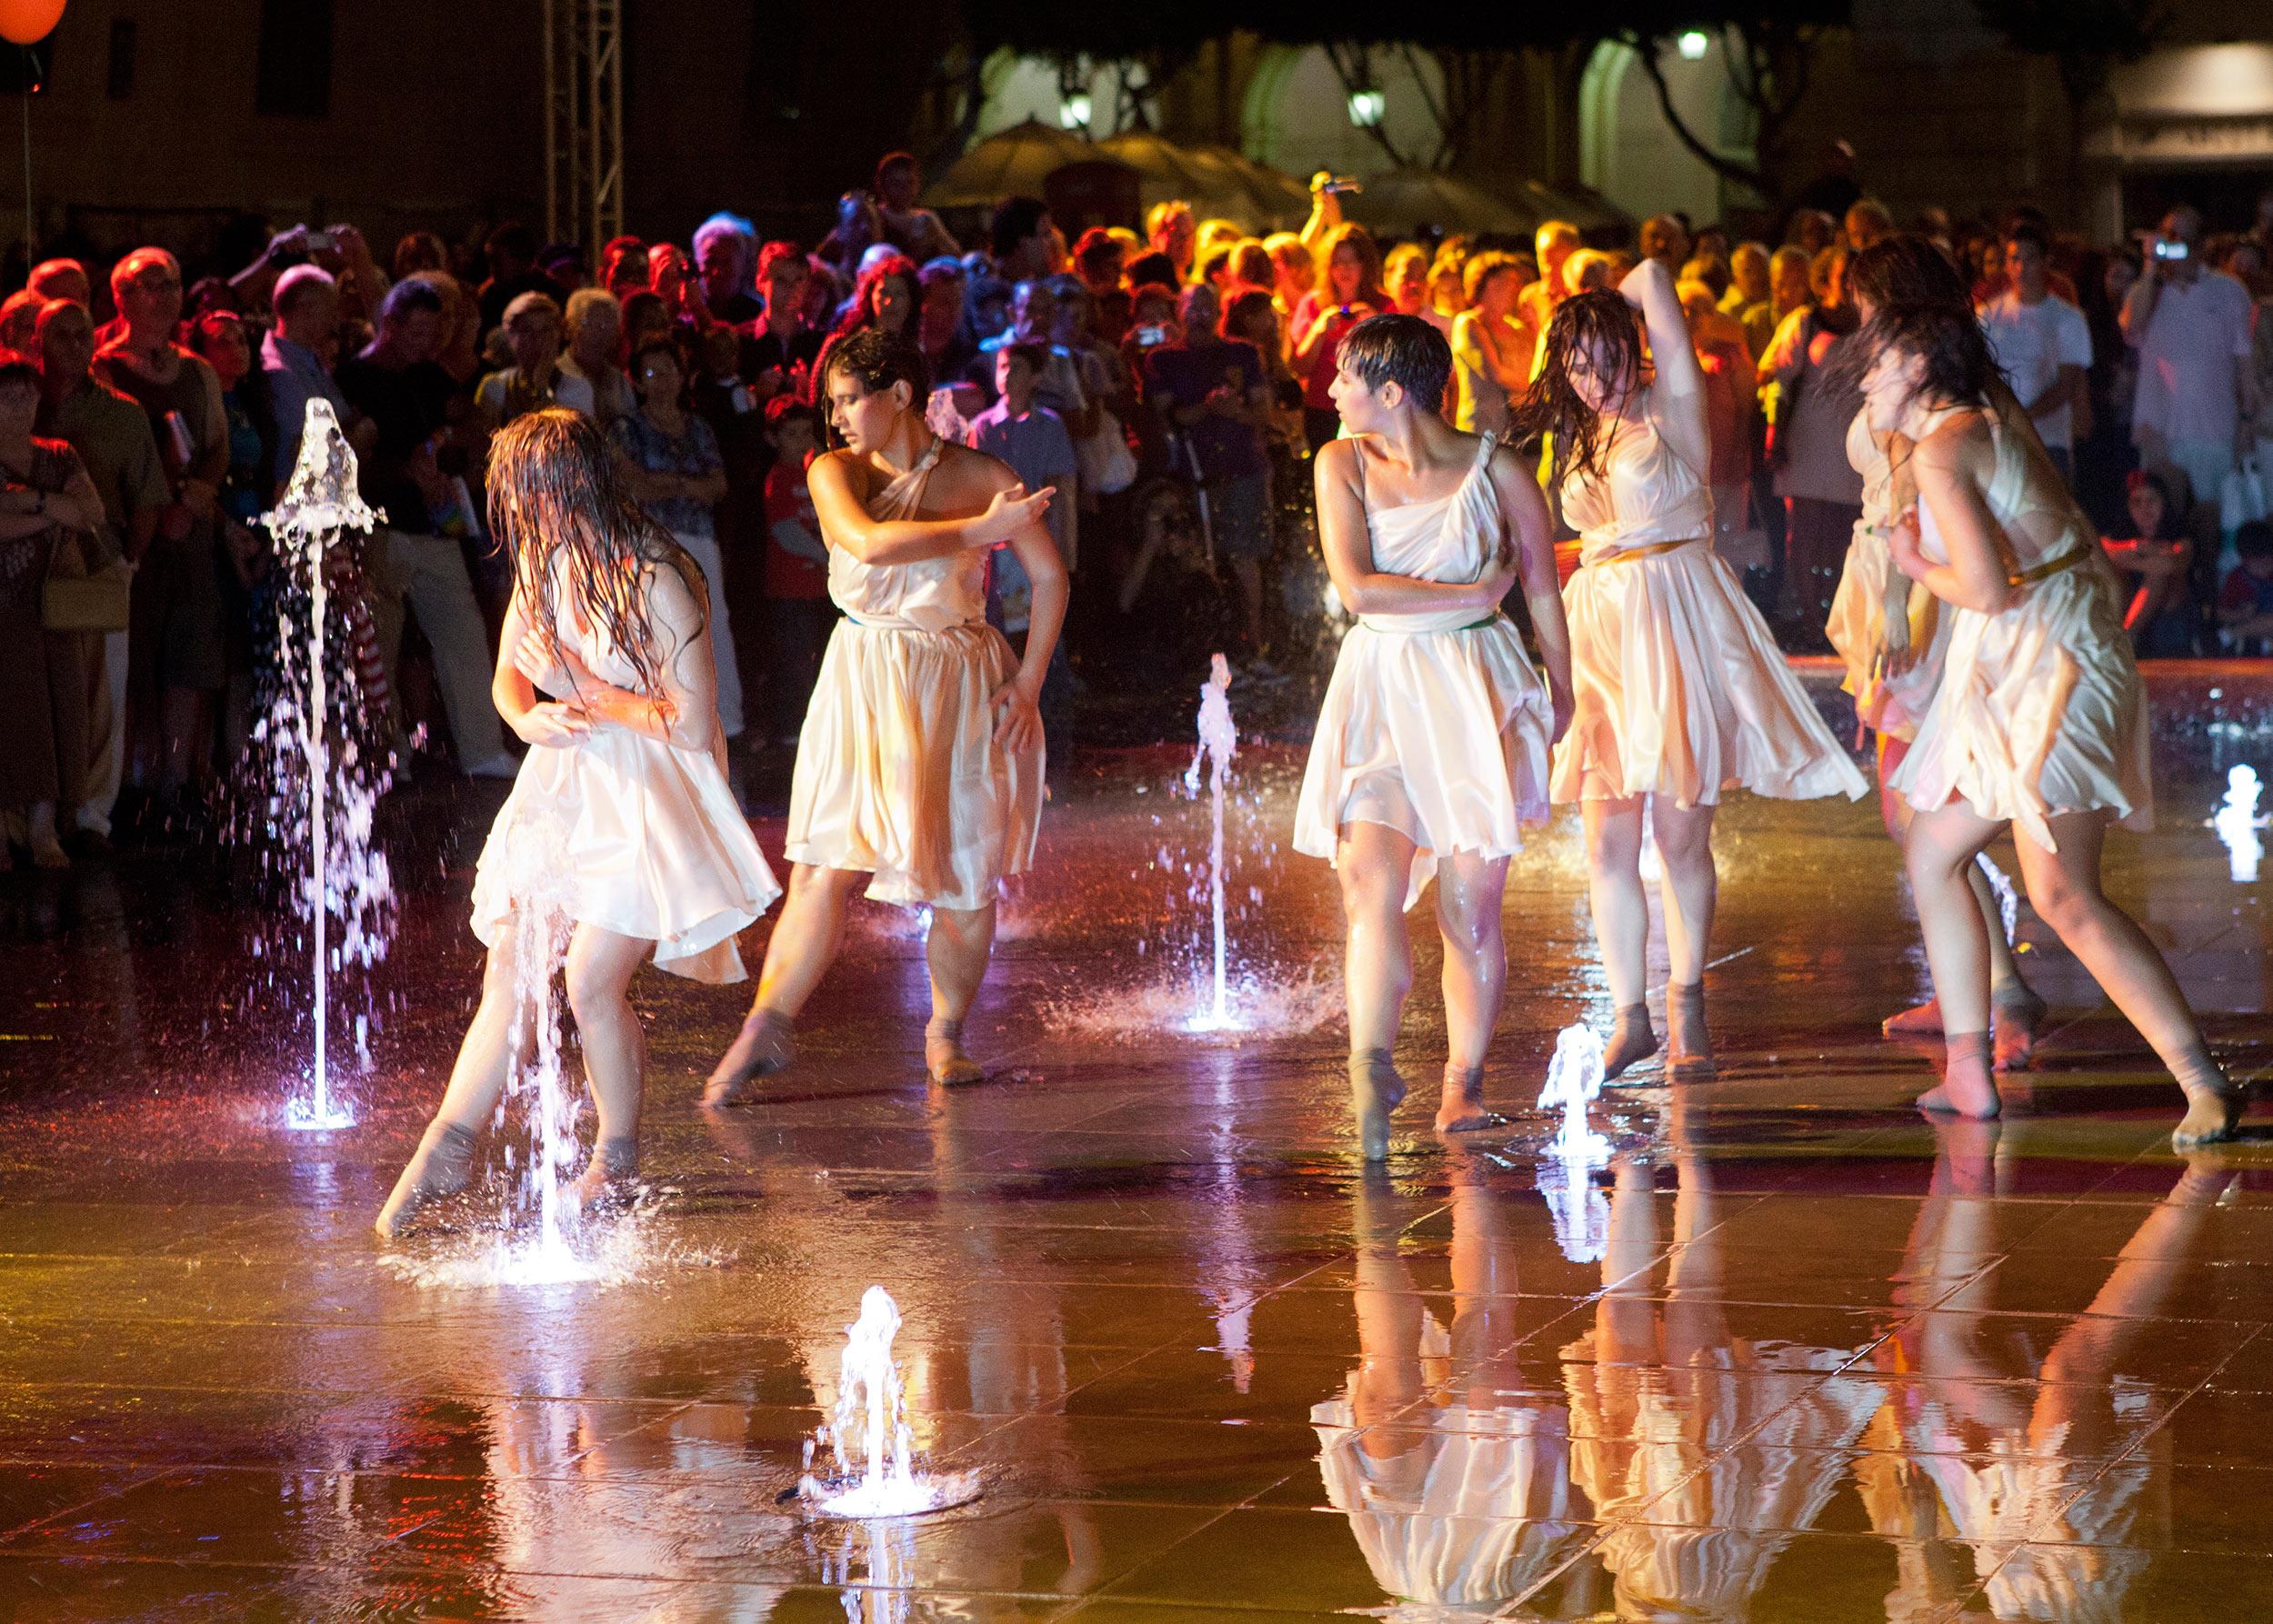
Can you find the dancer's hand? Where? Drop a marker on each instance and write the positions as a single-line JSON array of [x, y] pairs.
[[1011, 511], [552, 667], [1019, 719], [550, 722], [1906, 547], [1499, 580], [1563, 704]]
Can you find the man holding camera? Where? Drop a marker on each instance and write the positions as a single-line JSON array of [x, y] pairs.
[[2196, 398]]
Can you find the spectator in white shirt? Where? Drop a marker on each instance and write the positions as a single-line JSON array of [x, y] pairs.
[[2042, 343], [2191, 325]]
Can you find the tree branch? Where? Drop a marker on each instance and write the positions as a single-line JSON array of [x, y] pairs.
[[1744, 174], [1353, 78]]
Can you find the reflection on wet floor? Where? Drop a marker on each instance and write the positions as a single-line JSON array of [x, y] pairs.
[[1822, 1359]]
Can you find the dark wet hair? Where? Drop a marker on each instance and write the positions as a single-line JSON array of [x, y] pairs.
[[1598, 319], [555, 492], [1958, 366], [1907, 269], [876, 360], [1400, 348]]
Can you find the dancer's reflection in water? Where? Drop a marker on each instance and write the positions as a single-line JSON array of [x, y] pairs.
[[2011, 1443], [1707, 1449], [1457, 1482]]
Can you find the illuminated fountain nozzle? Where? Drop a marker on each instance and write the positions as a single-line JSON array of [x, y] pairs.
[[1574, 1079], [1218, 741], [869, 1434], [2237, 823]]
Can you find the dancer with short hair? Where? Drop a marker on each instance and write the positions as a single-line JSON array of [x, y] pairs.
[[1682, 693], [621, 810], [2040, 719], [919, 768], [1431, 749]]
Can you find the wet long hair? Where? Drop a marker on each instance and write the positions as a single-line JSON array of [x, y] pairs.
[[1958, 366], [555, 492], [1598, 320], [874, 359], [1907, 269]]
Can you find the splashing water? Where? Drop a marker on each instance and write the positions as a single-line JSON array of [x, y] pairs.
[[1574, 1079], [2237, 823], [868, 1435], [1218, 740], [319, 802], [2007, 899]]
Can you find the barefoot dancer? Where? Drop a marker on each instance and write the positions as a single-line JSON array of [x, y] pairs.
[[1681, 692], [920, 763], [1894, 638], [1432, 746], [627, 763], [2040, 719]]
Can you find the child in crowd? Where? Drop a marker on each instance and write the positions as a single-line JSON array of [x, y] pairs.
[[2244, 603], [2156, 564]]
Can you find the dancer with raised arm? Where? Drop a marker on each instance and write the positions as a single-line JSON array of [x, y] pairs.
[[919, 768], [1431, 749], [621, 805], [1894, 636], [1682, 695], [2040, 719]]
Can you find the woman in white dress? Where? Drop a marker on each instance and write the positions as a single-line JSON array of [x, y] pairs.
[[1894, 637], [1431, 747], [620, 817], [2039, 720], [919, 768], [1682, 693]]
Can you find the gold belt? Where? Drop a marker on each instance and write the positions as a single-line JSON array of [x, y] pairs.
[[1649, 550], [2050, 567]]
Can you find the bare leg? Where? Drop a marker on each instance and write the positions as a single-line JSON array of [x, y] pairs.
[[1942, 845], [1621, 924], [806, 936], [485, 1059], [1374, 864], [1690, 891], [1469, 892], [957, 949], [2064, 888], [599, 972]]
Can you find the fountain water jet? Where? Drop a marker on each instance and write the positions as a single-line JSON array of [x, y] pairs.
[[344, 875], [1218, 741], [1574, 1079], [2237, 823], [868, 1436]]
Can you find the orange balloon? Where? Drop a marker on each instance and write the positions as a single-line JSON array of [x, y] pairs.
[[27, 21]]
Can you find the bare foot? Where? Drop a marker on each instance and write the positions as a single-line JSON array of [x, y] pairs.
[[1463, 1109], [944, 1057], [1968, 1085], [1377, 1090], [1631, 1041], [2016, 1013], [766, 1043], [1920, 1020]]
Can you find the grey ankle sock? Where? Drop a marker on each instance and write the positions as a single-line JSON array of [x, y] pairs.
[[620, 1156], [944, 1030], [2198, 1070]]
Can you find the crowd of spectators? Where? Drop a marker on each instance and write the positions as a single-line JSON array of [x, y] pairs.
[[1169, 377]]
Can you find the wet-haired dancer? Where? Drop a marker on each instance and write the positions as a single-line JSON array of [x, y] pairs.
[[1681, 692], [604, 670], [1893, 634], [1430, 752], [2040, 719], [919, 766]]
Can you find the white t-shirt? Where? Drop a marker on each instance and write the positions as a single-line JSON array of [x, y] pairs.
[[2186, 360], [2032, 343]]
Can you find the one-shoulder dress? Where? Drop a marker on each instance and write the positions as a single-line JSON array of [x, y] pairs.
[[1679, 689], [629, 834], [1434, 723], [2039, 708], [898, 774]]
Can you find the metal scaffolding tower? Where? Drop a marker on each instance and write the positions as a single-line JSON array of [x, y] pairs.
[[583, 121]]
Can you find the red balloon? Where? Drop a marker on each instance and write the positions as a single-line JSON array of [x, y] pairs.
[[27, 21]]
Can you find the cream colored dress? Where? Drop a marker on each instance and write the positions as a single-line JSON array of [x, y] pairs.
[[1681, 691], [2040, 708], [1892, 705], [1435, 724], [627, 833], [898, 773]]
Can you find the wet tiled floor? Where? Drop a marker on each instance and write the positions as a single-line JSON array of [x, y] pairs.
[[1824, 1360]]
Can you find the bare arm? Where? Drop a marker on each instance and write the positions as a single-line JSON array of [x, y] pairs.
[[845, 521], [532, 720], [1363, 589], [1977, 576], [1524, 510], [2138, 304], [1680, 390]]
